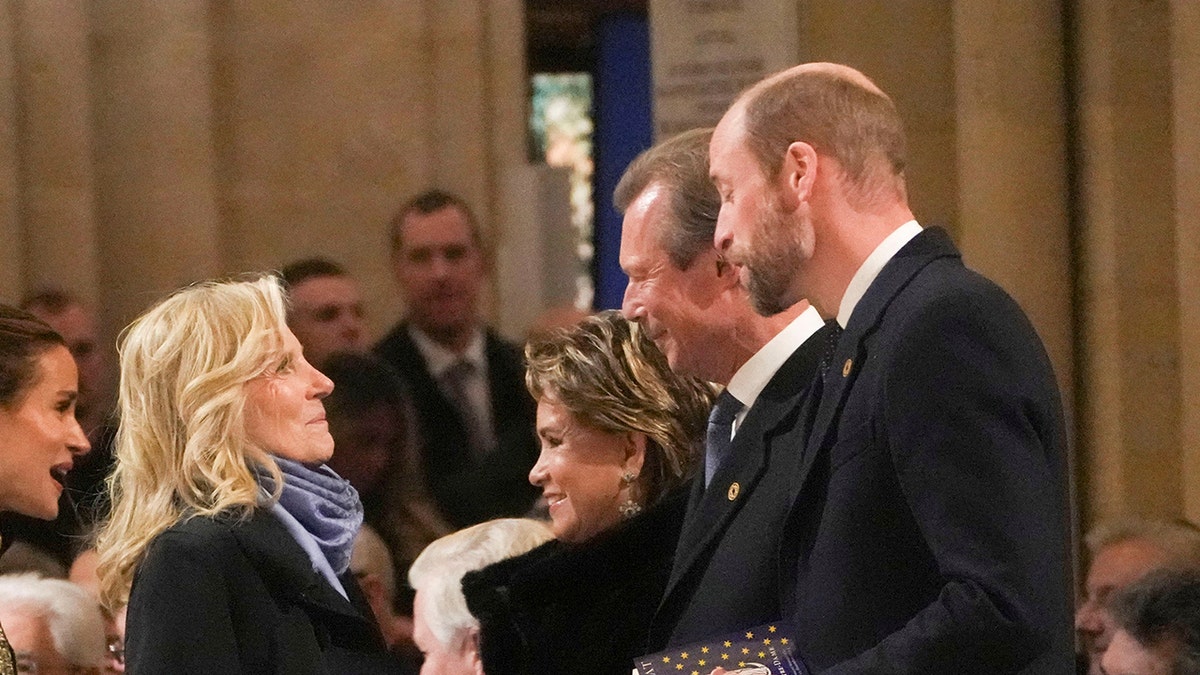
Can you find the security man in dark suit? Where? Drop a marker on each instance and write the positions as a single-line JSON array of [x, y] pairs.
[[690, 302], [474, 416], [928, 532]]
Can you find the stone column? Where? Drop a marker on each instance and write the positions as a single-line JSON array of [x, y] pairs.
[[55, 149], [155, 182], [1012, 172], [1128, 299], [11, 243], [514, 213], [461, 112], [321, 118], [1185, 76]]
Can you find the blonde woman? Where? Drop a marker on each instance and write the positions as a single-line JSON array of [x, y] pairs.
[[621, 435], [229, 537]]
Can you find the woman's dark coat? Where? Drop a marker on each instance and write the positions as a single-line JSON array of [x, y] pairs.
[[579, 609], [219, 595]]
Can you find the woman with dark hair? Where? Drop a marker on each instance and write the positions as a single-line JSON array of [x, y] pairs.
[[621, 435], [39, 436]]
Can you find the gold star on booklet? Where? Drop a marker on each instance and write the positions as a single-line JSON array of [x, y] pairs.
[[758, 656]]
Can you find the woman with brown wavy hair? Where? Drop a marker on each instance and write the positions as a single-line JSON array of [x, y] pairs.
[[621, 435]]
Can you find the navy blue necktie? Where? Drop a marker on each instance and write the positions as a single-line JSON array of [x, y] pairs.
[[720, 433], [831, 343]]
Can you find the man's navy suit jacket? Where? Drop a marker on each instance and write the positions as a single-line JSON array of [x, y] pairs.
[[726, 572], [928, 531]]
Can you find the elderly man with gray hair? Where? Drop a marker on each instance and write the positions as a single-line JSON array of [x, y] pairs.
[[1122, 552], [53, 625], [1157, 626], [443, 628]]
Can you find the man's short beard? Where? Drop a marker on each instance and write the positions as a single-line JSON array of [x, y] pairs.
[[772, 265], [766, 295]]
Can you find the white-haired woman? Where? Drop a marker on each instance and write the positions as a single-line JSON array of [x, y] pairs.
[[229, 536], [39, 437], [55, 626], [443, 628]]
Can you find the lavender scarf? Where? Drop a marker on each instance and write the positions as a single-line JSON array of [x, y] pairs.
[[324, 503]]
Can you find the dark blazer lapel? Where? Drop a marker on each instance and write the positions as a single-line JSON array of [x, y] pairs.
[[710, 511], [504, 368], [851, 353], [286, 566], [747, 461]]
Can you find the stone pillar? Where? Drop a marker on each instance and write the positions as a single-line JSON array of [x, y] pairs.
[[513, 216], [461, 113], [1012, 172], [1185, 75], [155, 166], [1128, 299], [11, 244], [321, 119], [56, 187], [907, 47]]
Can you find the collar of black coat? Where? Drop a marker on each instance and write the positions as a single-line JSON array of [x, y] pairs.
[[931, 243], [284, 565], [557, 569]]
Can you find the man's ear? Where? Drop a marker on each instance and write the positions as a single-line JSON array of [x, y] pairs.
[[797, 174]]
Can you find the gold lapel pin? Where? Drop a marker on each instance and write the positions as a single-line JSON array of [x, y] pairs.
[[734, 490], [846, 367]]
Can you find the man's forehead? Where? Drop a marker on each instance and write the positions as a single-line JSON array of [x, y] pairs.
[[729, 130], [72, 322], [323, 289], [1125, 561], [645, 224], [447, 226]]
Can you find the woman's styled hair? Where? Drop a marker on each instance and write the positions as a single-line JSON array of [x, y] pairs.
[[437, 573], [23, 338], [610, 376], [181, 447]]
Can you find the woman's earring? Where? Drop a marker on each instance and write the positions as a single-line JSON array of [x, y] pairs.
[[629, 508]]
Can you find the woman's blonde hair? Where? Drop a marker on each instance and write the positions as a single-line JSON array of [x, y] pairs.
[[181, 447], [610, 376]]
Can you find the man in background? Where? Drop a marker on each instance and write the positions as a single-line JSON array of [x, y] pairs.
[[1157, 621], [474, 416], [1121, 553], [76, 322], [326, 311], [690, 303]]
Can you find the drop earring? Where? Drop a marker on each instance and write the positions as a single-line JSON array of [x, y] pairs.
[[629, 508]]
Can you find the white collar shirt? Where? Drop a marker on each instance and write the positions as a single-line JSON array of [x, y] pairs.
[[749, 380], [872, 266]]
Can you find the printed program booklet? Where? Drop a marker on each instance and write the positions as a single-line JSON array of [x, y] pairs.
[[762, 650]]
